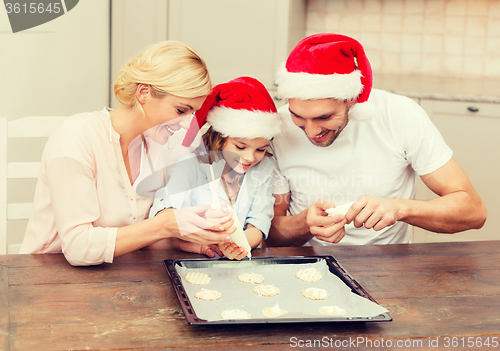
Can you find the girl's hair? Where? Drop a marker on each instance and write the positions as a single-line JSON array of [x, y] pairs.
[[169, 67], [214, 141]]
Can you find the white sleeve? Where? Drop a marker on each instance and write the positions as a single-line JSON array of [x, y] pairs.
[[161, 202], [81, 242], [424, 147], [279, 182], [181, 188], [262, 208]]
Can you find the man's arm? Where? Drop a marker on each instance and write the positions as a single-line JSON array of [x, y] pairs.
[[287, 230], [457, 208], [297, 230]]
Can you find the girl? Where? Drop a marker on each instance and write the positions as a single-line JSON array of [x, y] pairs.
[[243, 119], [85, 202]]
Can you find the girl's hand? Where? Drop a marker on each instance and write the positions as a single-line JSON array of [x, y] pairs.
[[233, 251], [208, 250]]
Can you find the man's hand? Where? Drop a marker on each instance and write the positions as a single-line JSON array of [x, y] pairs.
[[329, 229], [373, 212]]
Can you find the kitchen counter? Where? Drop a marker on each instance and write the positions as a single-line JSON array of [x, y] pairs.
[[440, 88]]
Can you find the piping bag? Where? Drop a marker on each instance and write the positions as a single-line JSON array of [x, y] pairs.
[[341, 209], [214, 173]]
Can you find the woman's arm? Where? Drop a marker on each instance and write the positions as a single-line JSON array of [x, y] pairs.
[[186, 224], [76, 206]]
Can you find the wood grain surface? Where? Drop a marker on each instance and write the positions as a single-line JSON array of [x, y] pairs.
[[434, 292]]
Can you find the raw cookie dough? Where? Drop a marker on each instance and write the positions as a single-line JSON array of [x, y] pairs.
[[333, 310], [235, 314], [198, 278], [309, 274], [208, 295], [315, 294], [251, 278], [266, 290], [273, 312]]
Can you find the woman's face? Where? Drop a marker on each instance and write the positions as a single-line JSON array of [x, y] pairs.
[[167, 114], [241, 154]]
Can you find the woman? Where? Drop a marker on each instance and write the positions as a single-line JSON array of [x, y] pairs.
[[243, 119], [85, 203]]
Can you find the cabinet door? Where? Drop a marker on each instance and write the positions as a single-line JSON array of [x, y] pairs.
[[471, 130], [239, 38]]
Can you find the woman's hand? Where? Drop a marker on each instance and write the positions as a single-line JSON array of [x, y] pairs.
[[233, 251], [214, 215], [191, 225], [208, 250]]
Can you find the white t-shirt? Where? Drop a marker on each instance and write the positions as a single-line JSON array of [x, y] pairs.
[[378, 157]]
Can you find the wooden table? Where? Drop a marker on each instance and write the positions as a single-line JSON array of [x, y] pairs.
[[443, 294]]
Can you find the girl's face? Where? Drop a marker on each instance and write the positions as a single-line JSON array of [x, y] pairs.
[[167, 114], [241, 154]]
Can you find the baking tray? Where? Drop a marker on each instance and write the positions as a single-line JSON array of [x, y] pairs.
[[185, 290]]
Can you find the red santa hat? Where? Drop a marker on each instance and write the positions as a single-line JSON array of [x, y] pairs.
[[240, 108], [328, 66]]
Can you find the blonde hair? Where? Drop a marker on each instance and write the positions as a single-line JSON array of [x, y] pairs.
[[169, 67]]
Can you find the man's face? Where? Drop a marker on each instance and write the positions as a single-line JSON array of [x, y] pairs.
[[322, 120]]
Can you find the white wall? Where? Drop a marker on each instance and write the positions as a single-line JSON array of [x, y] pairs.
[[135, 25], [58, 68]]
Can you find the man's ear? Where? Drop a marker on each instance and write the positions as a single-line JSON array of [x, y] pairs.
[[351, 103], [142, 93]]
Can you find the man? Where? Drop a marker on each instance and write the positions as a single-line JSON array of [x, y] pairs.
[[345, 142]]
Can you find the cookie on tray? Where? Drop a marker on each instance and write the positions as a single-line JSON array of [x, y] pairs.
[[267, 290], [332, 310], [315, 294], [208, 295], [235, 314], [309, 274], [197, 278], [273, 312], [251, 278]]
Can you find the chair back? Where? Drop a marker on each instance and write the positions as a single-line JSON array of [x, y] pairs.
[[27, 127]]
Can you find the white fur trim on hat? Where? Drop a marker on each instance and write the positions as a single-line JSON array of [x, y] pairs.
[[244, 123], [306, 86]]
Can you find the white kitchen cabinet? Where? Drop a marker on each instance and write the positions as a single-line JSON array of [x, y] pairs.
[[239, 37], [471, 130], [134, 26], [234, 37]]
